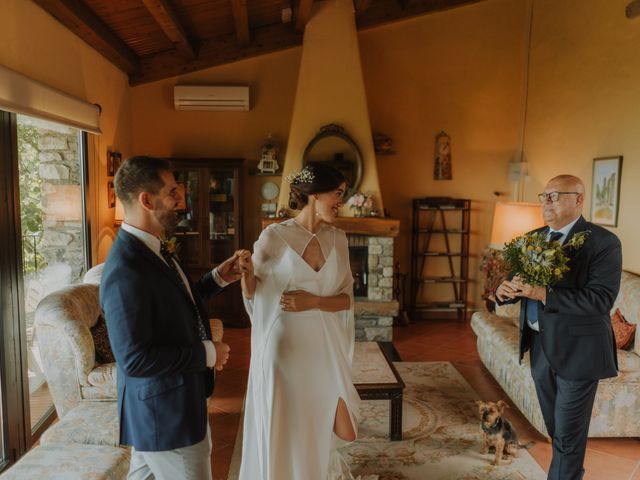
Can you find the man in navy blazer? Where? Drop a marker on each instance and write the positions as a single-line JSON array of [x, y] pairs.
[[567, 327], [159, 331]]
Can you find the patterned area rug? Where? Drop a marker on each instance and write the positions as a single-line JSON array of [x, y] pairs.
[[441, 435]]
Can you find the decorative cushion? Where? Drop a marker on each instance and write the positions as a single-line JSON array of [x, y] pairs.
[[101, 342], [623, 330]]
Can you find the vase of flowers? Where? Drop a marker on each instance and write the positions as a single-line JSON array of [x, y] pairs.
[[360, 203]]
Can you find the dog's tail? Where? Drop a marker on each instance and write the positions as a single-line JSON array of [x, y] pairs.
[[527, 445]]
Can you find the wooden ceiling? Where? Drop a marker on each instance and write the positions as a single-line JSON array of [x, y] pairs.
[[155, 39]]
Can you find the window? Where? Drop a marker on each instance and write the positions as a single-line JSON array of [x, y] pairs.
[[50, 171]]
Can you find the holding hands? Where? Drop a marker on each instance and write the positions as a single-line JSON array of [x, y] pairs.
[[514, 288]]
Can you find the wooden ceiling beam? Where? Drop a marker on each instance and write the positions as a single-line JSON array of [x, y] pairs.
[[241, 20], [303, 14], [218, 51], [170, 25], [81, 20], [386, 11]]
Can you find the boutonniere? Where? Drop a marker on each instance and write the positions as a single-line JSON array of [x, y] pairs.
[[170, 244], [540, 262]]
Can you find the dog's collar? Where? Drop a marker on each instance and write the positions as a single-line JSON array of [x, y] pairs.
[[493, 428]]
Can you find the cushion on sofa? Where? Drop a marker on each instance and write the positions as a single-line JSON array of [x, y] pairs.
[[89, 423], [623, 331], [60, 462]]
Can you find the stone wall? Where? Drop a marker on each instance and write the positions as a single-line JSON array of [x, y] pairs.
[[374, 317], [59, 168]]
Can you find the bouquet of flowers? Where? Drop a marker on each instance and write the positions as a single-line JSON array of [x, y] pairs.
[[537, 261], [359, 202]]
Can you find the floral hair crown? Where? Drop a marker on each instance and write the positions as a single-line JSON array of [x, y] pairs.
[[303, 176]]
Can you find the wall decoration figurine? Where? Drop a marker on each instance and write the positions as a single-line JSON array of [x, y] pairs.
[[605, 190], [442, 166]]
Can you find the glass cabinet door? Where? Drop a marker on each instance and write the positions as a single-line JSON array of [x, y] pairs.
[[188, 231], [222, 219]]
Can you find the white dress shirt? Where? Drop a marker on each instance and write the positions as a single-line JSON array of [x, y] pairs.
[[153, 243]]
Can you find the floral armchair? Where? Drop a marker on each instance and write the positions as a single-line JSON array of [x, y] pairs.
[[62, 328]]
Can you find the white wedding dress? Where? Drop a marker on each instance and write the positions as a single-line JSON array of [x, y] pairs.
[[300, 361]]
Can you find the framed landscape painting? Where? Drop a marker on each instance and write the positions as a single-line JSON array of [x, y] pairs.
[[605, 190]]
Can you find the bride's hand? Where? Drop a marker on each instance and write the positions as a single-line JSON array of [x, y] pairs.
[[298, 301]]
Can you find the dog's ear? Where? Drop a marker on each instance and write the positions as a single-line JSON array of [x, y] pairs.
[[501, 405]]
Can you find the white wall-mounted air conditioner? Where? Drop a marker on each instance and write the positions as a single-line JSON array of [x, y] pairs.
[[206, 97]]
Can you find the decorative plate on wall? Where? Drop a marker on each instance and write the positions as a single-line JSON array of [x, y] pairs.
[[269, 190]]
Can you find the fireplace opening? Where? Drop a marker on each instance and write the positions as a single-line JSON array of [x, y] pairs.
[[359, 261]]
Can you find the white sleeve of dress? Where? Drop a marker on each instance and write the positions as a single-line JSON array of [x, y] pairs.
[[346, 286], [266, 250]]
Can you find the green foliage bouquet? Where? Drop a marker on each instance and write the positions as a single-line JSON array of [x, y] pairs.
[[537, 261]]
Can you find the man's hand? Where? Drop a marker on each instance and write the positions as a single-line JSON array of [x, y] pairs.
[[534, 292], [245, 264], [507, 290], [229, 270], [298, 301], [222, 355]]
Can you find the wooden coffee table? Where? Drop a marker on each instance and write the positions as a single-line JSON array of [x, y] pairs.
[[375, 378]]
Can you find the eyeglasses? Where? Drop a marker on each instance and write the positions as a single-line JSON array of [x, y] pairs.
[[554, 196]]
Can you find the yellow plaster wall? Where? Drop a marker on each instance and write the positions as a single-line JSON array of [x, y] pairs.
[[584, 100], [158, 129], [35, 44], [330, 89], [461, 71]]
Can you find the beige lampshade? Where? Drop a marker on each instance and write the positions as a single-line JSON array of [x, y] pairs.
[[511, 219], [119, 213]]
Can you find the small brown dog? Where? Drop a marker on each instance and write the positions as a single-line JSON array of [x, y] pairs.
[[497, 431]]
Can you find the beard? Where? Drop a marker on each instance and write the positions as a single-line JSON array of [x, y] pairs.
[[167, 218]]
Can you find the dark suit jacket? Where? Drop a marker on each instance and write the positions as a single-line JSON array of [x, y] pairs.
[[575, 322], [163, 382]]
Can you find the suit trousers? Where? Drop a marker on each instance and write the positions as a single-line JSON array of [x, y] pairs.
[[186, 463], [566, 408]]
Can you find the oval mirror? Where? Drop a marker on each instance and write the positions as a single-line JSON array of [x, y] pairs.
[[333, 146]]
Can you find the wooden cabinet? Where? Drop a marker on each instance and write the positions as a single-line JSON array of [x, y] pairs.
[[440, 255], [210, 226]]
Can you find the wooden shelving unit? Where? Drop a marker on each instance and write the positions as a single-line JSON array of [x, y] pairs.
[[440, 256]]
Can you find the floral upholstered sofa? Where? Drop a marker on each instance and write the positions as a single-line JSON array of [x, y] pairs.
[[617, 403]]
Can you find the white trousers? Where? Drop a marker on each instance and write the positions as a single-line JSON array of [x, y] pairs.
[[186, 463]]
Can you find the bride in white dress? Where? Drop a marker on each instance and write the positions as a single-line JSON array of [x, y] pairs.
[[298, 292]]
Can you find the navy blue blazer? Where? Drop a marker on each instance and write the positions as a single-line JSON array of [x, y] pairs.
[[163, 381], [575, 323]]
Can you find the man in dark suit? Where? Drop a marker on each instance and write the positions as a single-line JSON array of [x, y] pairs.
[[159, 331], [567, 327]]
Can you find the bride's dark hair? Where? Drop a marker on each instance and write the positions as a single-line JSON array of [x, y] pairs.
[[315, 177]]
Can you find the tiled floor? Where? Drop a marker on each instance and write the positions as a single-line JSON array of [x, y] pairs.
[[607, 459]]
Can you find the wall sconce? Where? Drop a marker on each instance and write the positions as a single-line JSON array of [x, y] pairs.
[[511, 219]]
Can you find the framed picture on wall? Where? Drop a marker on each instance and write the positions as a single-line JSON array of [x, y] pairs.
[[605, 190], [111, 194]]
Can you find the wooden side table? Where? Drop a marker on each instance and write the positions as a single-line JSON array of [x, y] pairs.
[[375, 378]]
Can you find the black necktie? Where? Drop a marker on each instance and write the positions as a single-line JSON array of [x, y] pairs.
[[202, 333], [532, 305]]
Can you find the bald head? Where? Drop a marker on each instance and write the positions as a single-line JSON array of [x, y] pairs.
[[568, 206], [570, 182]]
